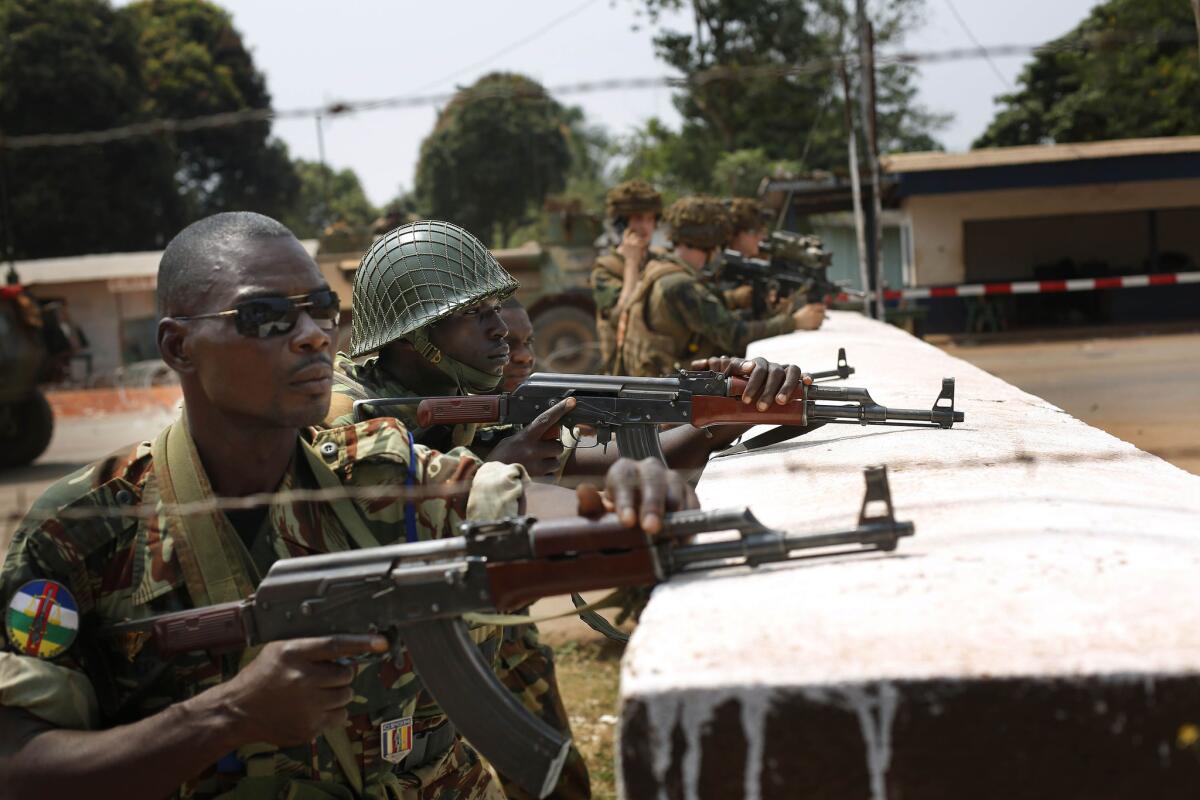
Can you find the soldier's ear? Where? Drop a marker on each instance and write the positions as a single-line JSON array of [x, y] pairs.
[[173, 345]]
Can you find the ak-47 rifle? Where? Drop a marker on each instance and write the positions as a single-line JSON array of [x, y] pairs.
[[795, 265], [417, 594], [632, 409]]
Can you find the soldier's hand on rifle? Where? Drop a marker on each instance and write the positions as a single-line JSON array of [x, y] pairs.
[[741, 297], [295, 689], [537, 446], [633, 246], [639, 493], [765, 380], [809, 317]]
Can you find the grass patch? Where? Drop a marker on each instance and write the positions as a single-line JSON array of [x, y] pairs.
[[588, 674]]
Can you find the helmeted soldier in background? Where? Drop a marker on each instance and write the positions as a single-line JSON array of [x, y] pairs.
[[426, 302], [634, 207], [673, 316], [749, 222], [427, 299]]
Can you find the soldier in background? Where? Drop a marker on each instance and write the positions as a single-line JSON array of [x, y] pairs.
[[749, 222], [634, 208], [427, 299], [674, 317]]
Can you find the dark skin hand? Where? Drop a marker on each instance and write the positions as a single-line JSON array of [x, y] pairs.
[[639, 493], [688, 448], [286, 696], [537, 446]]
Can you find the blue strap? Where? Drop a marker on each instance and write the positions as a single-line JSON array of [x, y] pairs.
[[410, 508]]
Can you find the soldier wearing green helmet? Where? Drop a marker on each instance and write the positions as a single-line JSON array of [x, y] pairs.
[[426, 303], [426, 298], [749, 223], [634, 208], [674, 317]]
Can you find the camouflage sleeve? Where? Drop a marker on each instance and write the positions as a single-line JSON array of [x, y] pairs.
[[703, 312], [449, 487], [606, 288], [39, 667]]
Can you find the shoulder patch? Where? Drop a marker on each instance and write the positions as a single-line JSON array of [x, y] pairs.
[[42, 619]]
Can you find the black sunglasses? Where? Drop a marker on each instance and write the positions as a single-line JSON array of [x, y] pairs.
[[275, 316]]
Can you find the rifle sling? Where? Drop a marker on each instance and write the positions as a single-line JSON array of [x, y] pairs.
[[780, 433], [209, 548], [610, 600]]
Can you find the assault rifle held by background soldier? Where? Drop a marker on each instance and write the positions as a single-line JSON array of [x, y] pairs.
[[796, 266], [418, 594], [634, 408]]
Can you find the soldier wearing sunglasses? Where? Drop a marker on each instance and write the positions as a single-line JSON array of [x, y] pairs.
[[247, 322]]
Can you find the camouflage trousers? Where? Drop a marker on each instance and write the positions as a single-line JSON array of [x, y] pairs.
[[526, 667]]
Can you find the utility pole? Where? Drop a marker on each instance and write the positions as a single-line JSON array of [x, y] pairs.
[[1196, 12], [866, 48], [856, 193], [325, 199]]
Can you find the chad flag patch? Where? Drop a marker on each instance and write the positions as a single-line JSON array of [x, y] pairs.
[[396, 739], [42, 619]]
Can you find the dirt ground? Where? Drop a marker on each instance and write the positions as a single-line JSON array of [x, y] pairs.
[[1143, 389]]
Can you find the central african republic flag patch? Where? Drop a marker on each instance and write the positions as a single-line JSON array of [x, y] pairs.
[[42, 620], [396, 739]]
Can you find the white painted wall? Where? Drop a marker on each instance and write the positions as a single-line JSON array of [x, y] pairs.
[[1043, 546], [937, 220]]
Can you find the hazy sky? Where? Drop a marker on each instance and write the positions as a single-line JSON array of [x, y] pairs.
[[316, 51]]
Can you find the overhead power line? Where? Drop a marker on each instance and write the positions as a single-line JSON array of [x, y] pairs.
[[831, 65], [510, 47], [966, 29]]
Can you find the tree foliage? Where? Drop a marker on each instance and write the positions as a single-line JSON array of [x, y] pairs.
[[70, 65], [195, 64], [743, 92], [496, 151], [328, 196], [80, 65], [1096, 83]]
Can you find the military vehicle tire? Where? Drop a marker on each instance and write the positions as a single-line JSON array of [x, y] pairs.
[[565, 340], [25, 430]]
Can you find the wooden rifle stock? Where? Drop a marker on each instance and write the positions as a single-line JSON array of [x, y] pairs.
[[574, 554], [453, 410], [215, 628]]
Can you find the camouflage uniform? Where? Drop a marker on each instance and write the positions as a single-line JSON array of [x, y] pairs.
[[525, 665], [411, 278], [131, 567], [608, 272], [674, 316]]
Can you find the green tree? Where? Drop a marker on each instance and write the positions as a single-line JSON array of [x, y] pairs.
[[744, 92], [1097, 82], [496, 151], [196, 64], [347, 202], [74, 65]]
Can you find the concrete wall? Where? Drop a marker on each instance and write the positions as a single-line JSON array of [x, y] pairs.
[[938, 220], [1039, 636]]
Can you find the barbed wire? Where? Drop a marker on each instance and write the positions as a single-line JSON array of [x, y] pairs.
[[831, 64], [443, 490]]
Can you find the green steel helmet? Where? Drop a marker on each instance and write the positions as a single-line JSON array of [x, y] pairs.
[[632, 197], [700, 222], [416, 275]]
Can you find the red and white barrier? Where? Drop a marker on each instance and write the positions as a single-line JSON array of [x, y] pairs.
[[1042, 287]]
